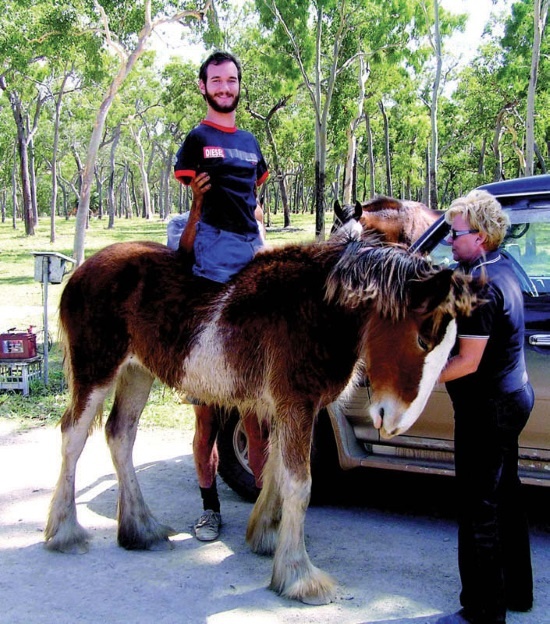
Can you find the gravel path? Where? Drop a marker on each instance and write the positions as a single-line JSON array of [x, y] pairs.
[[392, 567]]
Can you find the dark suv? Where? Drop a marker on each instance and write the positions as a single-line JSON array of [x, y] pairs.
[[428, 445]]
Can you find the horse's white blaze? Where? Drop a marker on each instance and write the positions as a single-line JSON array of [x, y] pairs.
[[395, 420]]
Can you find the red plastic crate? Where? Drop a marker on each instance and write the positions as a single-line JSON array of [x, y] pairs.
[[17, 345]]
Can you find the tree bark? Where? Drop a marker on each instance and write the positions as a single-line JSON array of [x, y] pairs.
[[349, 172], [540, 15], [127, 62], [387, 153], [434, 147], [53, 202], [22, 150], [372, 172]]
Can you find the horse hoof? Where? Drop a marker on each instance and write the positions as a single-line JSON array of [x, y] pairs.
[[153, 536], [317, 588], [316, 601], [161, 546], [76, 549], [79, 548]]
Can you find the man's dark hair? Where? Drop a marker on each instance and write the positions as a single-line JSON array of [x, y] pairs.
[[217, 58]]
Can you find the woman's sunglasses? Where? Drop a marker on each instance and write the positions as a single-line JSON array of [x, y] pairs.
[[454, 234]]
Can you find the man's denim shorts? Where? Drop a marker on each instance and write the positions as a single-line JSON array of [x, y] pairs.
[[220, 254]]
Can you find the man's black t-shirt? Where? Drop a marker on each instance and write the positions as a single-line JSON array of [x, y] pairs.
[[233, 160]]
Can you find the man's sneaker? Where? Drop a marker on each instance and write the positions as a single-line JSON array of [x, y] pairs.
[[208, 525]]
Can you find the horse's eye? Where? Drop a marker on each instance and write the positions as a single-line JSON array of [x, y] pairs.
[[423, 344]]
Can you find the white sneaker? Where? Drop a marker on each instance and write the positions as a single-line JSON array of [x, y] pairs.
[[207, 527]]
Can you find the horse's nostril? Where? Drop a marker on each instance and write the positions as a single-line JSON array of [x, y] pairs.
[[381, 412]]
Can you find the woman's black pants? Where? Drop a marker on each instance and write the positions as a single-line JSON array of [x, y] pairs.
[[494, 555]]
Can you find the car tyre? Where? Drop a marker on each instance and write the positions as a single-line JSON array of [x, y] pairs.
[[233, 451], [235, 471]]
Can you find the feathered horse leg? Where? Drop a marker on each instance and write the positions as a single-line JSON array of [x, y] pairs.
[[138, 529], [282, 505], [63, 532]]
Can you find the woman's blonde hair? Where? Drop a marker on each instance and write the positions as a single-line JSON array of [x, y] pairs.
[[484, 213]]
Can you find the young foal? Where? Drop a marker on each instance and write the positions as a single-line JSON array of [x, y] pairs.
[[282, 339], [397, 220]]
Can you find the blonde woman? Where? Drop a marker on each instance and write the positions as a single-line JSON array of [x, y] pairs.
[[492, 398]]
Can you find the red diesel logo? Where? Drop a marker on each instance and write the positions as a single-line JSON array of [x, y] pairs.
[[213, 152]]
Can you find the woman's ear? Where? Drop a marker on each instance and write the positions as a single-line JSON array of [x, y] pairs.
[[481, 238]]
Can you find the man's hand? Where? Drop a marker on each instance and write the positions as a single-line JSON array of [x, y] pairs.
[[200, 185]]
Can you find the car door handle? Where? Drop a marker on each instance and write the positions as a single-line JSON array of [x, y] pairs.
[[540, 340]]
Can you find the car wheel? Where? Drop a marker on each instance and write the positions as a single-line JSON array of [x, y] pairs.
[[235, 471], [233, 451]]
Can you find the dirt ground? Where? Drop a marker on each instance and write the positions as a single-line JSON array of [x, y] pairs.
[[391, 566]]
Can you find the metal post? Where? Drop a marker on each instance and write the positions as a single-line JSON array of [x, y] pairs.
[[45, 282]]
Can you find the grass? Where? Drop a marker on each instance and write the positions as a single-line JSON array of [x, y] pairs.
[[22, 305]]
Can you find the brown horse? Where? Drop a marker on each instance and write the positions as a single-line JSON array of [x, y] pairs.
[[284, 338], [397, 220]]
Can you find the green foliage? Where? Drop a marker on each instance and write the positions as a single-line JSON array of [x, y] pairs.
[[517, 44], [41, 42], [183, 104]]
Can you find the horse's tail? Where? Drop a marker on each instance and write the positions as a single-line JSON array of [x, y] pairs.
[[67, 367], [69, 418]]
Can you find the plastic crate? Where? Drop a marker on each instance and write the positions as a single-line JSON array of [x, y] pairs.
[[17, 374]]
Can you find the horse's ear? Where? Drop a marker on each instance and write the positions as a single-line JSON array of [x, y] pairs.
[[427, 294], [358, 210], [338, 211]]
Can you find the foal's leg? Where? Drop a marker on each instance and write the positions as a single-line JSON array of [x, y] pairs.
[[263, 525], [137, 527], [294, 576], [62, 531]]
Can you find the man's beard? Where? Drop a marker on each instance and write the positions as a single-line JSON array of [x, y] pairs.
[[221, 109]]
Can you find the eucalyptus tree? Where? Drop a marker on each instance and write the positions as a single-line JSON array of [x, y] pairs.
[[139, 117], [265, 94], [524, 38], [475, 123], [525, 66], [183, 109], [321, 38], [125, 28], [34, 40], [300, 29]]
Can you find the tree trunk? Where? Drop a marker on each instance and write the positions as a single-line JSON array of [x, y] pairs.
[[389, 185], [481, 161], [99, 187], [53, 202], [111, 203], [434, 147], [22, 150], [14, 191], [167, 187], [370, 149], [497, 135], [127, 62], [32, 179], [540, 15], [280, 176], [351, 158], [144, 176]]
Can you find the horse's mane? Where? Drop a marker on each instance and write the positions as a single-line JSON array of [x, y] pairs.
[[376, 273]]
